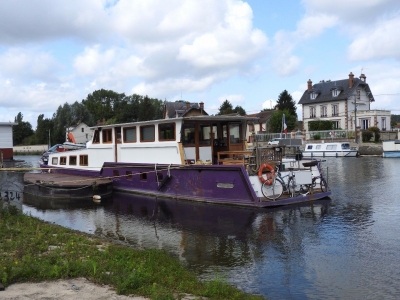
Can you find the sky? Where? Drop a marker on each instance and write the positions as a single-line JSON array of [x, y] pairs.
[[54, 52]]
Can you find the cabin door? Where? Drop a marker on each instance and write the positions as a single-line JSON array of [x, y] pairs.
[[117, 142]]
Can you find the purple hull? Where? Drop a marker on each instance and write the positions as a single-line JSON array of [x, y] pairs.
[[218, 184]]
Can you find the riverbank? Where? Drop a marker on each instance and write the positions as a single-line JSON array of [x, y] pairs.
[[38, 254], [370, 149]]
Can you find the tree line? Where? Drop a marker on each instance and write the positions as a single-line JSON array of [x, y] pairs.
[[108, 107]]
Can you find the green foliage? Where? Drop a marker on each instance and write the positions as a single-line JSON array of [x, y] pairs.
[[286, 102], [373, 129], [275, 121], [366, 135], [226, 108], [316, 136], [22, 130], [52, 252], [320, 125]]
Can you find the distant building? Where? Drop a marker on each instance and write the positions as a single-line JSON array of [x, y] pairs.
[[183, 109], [81, 132], [6, 140], [345, 102]]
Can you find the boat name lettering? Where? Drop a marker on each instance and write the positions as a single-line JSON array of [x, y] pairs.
[[225, 185]]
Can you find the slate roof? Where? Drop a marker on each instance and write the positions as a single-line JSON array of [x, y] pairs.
[[263, 115], [179, 109], [324, 90]]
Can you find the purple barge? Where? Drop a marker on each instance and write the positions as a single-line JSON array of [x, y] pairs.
[[198, 158]]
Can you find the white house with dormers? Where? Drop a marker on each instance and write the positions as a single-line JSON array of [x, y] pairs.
[[343, 102]]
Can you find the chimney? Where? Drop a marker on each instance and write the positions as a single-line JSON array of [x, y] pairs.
[[309, 85], [201, 105], [363, 78], [187, 105], [351, 80]]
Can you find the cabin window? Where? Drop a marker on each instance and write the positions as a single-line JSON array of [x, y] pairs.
[[118, 134], [83, 160], [331, 147], [147, 133], [166, 132], [96, 137], [130, 135], [72, 160], [107, 136], [63, 160], [115, 173], [54, 161], [309, 147], [318, 147], [129, 175], [345, 146], [205, 134], [188, 133], [143, 176], [234, 132]]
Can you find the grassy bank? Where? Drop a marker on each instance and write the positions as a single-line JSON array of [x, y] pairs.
[[32, 250]]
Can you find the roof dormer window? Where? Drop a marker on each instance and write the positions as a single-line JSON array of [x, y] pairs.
[[335, 92], [313, 96]]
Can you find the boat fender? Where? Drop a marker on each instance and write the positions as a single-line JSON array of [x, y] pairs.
[[96, 198], [269, 180]]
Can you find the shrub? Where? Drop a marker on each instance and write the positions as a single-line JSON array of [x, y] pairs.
[[317, 137], [366, 136]]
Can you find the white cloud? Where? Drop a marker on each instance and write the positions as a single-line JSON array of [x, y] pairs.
[[269, 104], [234, 99]]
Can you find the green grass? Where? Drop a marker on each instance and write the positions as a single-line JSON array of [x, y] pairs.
[[32, 250]]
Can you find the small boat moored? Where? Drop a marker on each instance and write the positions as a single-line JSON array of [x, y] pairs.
[[339, 149], [391, 148]]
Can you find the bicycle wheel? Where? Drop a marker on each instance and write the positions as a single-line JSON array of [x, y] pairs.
[[272, 191], [324, 185]]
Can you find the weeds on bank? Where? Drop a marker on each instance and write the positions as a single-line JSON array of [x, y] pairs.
[[33, 250]]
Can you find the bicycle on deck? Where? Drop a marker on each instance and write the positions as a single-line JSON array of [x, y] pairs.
[[274, 190], [318, 182]]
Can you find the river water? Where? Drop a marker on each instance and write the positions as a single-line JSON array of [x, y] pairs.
[[343, 248]]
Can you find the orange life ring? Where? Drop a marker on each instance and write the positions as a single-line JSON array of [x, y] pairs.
[[71, 138], [270, 176]]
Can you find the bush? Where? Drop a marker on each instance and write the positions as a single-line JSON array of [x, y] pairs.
[[366, 136], [317, 137]]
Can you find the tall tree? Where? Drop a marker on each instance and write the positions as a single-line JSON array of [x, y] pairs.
[[286, 102], [22, 130], [275, 121], [225, 108], [239, 110], [43, 130]]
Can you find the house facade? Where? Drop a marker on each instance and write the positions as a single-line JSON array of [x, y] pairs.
[[345, 102], [81, 132], [6, 140]]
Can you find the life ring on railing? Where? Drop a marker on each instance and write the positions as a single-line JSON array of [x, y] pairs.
[[269, 179], [71, 138]]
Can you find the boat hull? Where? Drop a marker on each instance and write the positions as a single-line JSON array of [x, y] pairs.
[[330, 153], [217, 184]]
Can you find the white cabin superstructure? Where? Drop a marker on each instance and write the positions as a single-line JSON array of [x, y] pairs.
[[176, 141], [340, 149]]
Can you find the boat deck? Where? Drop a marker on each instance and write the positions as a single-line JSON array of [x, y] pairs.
[[66, 186]]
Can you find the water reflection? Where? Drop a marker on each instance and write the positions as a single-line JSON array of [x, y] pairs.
[[345, 248]]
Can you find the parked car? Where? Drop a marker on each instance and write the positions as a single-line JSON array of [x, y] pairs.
[[274, 141]]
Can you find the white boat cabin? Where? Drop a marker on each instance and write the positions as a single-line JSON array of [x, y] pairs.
[[330, 149], [184, 140]]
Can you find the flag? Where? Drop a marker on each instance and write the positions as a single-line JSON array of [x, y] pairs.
[[284, 124]]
